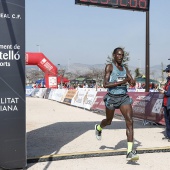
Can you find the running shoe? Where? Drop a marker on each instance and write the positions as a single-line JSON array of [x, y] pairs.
[[132, 156], [98, 133]]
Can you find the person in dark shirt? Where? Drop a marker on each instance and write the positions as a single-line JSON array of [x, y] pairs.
[[166, 103]]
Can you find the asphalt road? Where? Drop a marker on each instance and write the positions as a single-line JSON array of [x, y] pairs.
[[61, 137]]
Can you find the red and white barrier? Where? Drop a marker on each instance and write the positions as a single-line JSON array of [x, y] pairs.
[[146, 105]]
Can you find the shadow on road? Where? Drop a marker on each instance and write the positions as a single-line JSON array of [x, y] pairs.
[[50, 139]]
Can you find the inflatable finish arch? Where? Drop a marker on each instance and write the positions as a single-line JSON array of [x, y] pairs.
[[45, 65]]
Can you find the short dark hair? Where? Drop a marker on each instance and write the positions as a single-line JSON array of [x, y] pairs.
[[115, 50]]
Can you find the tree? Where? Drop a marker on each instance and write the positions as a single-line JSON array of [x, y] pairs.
[[125, 59], [32, 75], [98, 75], [137, 73], [162, 75]]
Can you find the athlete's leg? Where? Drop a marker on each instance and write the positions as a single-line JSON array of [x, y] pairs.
[[127, 112], [128, 115], [104, 122], [109, 117]]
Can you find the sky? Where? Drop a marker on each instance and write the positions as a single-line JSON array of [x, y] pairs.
[[67, 33]]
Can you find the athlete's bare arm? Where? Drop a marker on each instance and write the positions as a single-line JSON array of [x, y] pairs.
[[131, 81]]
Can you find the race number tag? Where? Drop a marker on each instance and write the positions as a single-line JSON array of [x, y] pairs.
[[121, 78]]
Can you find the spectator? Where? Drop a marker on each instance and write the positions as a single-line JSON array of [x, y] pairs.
[[166, 103]]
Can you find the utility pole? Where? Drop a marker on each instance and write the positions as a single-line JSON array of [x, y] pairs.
[[147, 66]]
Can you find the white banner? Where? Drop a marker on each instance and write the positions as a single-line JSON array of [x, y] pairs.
[[54, 94], [140, 90], [51, 94], [60, 94], [34, 92], [29, 91], [79, 99], [89, 99], [41, 92]]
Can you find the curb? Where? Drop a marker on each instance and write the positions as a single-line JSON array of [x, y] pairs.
[[77, 155]]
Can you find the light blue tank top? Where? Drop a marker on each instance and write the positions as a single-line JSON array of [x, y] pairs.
[[117, 76]]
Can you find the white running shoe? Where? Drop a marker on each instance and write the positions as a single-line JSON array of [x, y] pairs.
[[98, 133]]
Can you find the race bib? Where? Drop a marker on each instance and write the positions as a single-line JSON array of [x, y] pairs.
[[121, 78]]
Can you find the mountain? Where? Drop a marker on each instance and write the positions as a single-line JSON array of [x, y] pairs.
[[81, 68], [155, 71]]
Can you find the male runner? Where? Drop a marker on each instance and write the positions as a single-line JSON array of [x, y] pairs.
[[115, 79]]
